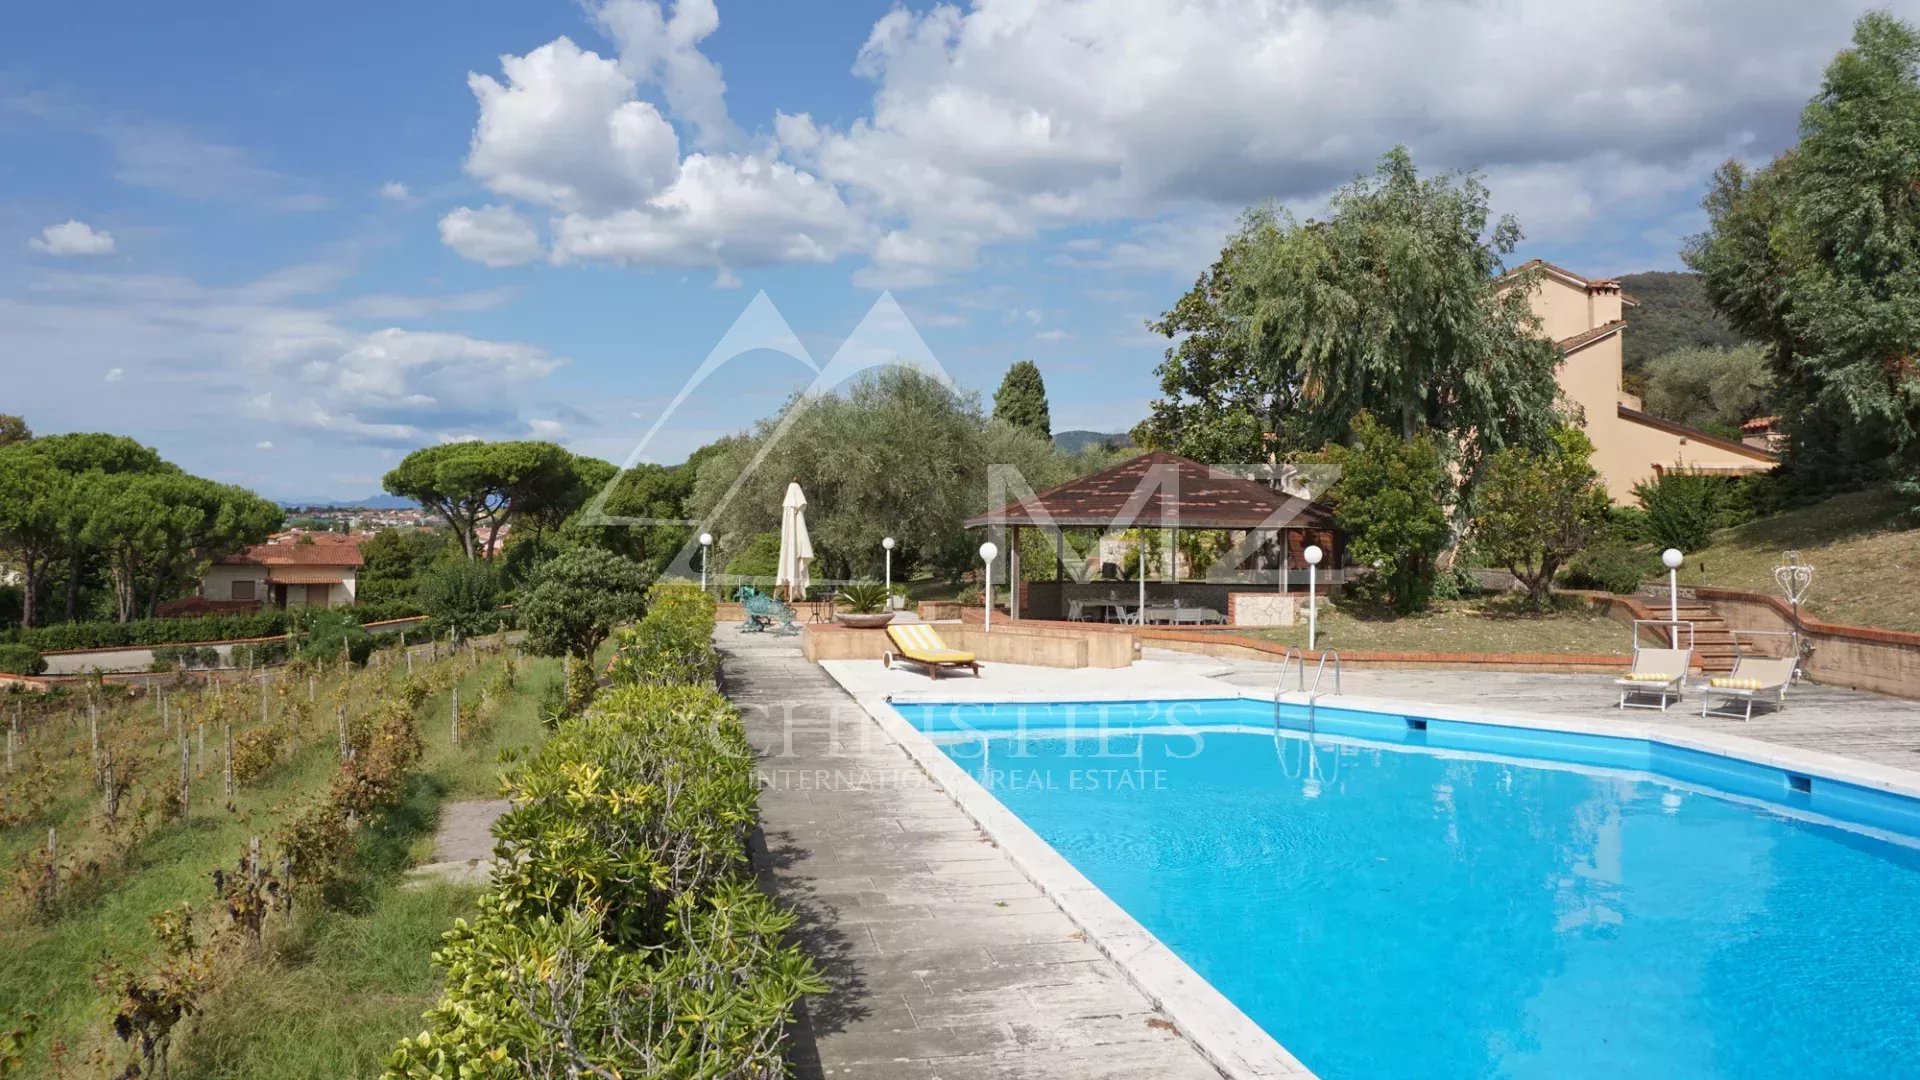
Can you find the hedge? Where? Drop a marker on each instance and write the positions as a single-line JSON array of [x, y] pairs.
[[21, 660], [672, 645], [109, 635], [624, 933]]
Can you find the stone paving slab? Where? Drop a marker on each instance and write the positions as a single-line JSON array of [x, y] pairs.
[[945, 961]]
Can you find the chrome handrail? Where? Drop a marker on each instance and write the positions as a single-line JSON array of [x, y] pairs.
[[1314, 695], [1280, 687]]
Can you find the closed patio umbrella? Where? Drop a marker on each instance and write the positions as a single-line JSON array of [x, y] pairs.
[[796, 549]]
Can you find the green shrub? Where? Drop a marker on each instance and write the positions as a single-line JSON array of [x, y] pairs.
[[185, 657], [672, 644], [330, 633], [759, 558], [111, 635], [21, 660], [1611, 564], [462, 596], [257, 654], [1682, 509]]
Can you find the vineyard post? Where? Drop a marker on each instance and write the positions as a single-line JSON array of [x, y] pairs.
[[53, 866], [263, 698], [186, 773], [310, 688], [341, 717], [110, 799], [200, 748], [9, 749], [456, 719], [93, 731], [229, 740], [253, 860]]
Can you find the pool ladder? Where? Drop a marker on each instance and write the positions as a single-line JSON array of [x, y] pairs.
[[1314, 693]]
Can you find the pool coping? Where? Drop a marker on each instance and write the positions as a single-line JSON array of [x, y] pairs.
[[1229, 1040], [1223, 1034]]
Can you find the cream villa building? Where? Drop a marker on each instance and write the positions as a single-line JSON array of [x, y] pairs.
[[1586, 318]]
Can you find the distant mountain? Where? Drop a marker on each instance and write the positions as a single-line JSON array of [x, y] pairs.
[[1075, 441], [373, 502], [1673, 314]]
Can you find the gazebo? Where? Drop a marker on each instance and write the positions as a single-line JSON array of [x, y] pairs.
[[1269, 531]]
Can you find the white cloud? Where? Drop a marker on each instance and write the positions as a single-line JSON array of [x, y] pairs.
[[72, 238], [396, 191], [1052, 335], [1004, 119], [662, 51], [723, 209], [551, 430], [275, 349], [493, 235], [566, 131], [263, 444]]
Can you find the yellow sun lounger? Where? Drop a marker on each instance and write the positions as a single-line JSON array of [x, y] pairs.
[[921, 644]]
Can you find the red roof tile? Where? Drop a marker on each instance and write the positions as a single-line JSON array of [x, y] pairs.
[[344, 551]]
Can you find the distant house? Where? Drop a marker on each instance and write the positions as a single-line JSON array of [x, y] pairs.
[[1586, 318], [1764, 433], [303, 570]]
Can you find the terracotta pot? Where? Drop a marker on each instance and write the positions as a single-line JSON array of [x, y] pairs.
[[864, 622]]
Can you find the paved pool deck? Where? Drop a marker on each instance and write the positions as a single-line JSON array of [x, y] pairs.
[[945, 961]]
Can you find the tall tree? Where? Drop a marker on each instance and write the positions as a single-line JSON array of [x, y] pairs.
[[78, 456], [13, 429], [479, 487], [1394, 306], [1022, 400], [1817, 256], [33, 495]]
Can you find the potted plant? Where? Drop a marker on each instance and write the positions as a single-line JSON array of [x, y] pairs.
[[898, 601], [863, 604]]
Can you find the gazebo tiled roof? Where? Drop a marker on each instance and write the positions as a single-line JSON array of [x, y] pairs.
[[1157, 488]]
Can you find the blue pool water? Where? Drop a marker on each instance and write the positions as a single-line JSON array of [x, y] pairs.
[[1386, 909]]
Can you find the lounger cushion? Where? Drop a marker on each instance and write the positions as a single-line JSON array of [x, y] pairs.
[[1648, 676], [920, 642], [1728, 682]]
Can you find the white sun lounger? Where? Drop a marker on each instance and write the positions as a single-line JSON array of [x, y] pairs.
[[1655, 673], [1754, 678]]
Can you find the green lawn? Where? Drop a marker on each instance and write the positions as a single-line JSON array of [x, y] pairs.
[[1864, 550], [1495, 625]]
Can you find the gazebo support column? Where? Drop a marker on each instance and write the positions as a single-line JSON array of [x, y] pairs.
[[1013, 572]]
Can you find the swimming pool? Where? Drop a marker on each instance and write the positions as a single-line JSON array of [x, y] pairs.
[[1397, 898]]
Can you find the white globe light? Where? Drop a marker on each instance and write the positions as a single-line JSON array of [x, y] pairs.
[[1313, 554], [988, 552], [887, 543], [1672, 558], [705, 539]]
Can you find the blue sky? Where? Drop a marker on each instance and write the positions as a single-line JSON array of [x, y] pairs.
[[285, 244]]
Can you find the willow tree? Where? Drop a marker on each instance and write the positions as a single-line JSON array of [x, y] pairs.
[[1395, 305], [1817, 256]]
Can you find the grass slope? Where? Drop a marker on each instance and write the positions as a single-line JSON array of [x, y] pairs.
[[1462, 626], [1865, 554]]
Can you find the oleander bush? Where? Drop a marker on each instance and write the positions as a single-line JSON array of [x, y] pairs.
[[624, 934], [671, 645]]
